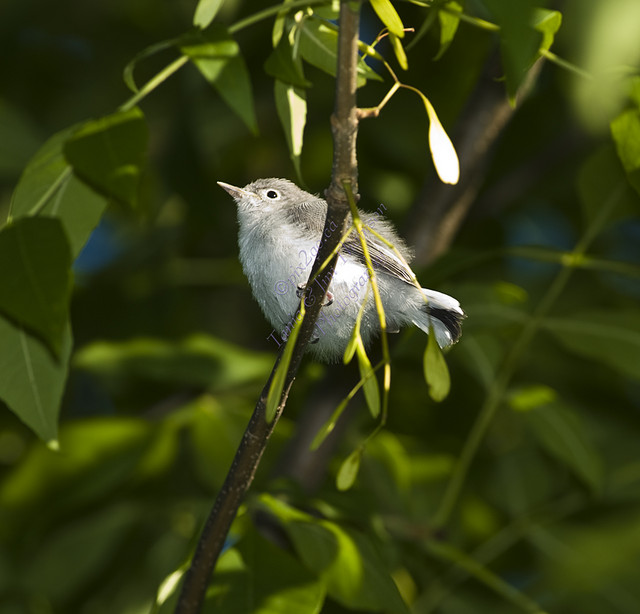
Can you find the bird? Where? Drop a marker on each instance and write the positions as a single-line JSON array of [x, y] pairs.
[[281, 228]]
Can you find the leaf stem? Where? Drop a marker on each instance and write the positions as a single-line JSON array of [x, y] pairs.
[[154, 82]]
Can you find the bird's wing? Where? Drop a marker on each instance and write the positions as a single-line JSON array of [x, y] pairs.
[[383, 259]]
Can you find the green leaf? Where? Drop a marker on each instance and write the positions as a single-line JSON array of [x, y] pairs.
[[282, 65], [291, 104], [47, 187], [257, 577], [217, 56], [548, 22], [561, 433], [348, 471], [319, 47], [277, 383], [206, 12], [604, 336], [448, 26], [31, 379], [436, 372], [370, 386], [625, 129], [389, 16], [398, 49], [346, 560], [36, 283], [443, 153], [198, 361], [519, 42], [108, 154]]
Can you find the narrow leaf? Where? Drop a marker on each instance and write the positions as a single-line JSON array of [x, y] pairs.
[[448, 26], [36, 283], [370, 386], [443, 152], [398, 49], [108, 154], [436, 372], [291, 104], [388, 16], [206, 12], [282, 65], [31, 379], [319, 47], [277, 383], [217, 57], [348, 471], [47, 187]]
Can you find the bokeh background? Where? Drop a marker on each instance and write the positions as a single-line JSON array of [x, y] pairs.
[[171, 351]]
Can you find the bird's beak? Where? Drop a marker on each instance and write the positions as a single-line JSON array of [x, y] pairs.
[[234, 191]]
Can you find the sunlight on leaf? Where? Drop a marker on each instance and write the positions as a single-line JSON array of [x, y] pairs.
[[370, 386], [206, 12], [388, 16], [443, 152], [436, 372], [277, 384], [291, 105], [398, 49]]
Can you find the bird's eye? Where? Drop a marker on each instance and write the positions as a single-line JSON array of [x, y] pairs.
[[272, 194]]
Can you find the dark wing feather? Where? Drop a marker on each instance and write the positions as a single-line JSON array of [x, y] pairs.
[[383, 258]]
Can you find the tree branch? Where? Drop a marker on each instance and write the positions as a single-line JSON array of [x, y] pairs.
[[344, 124]]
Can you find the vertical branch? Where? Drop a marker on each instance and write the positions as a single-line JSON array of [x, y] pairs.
[[344, 125]]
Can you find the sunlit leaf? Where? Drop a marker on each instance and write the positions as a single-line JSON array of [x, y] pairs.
[[47, 187], [388, 16], [291, 104], [108, 154], [370, 386], [548, 22], [279, 377], [198, 360], [436, 372], [398, 49], [36, 283], [217, 56], [625, 129], [449, 21], [206, 12], [31, 379], [352, 568], [443, 152], [348, 471]]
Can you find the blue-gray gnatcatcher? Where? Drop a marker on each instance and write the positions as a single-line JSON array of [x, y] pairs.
[[281, 229]]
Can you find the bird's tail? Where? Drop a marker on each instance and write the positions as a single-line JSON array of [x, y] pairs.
[[442, 313]]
